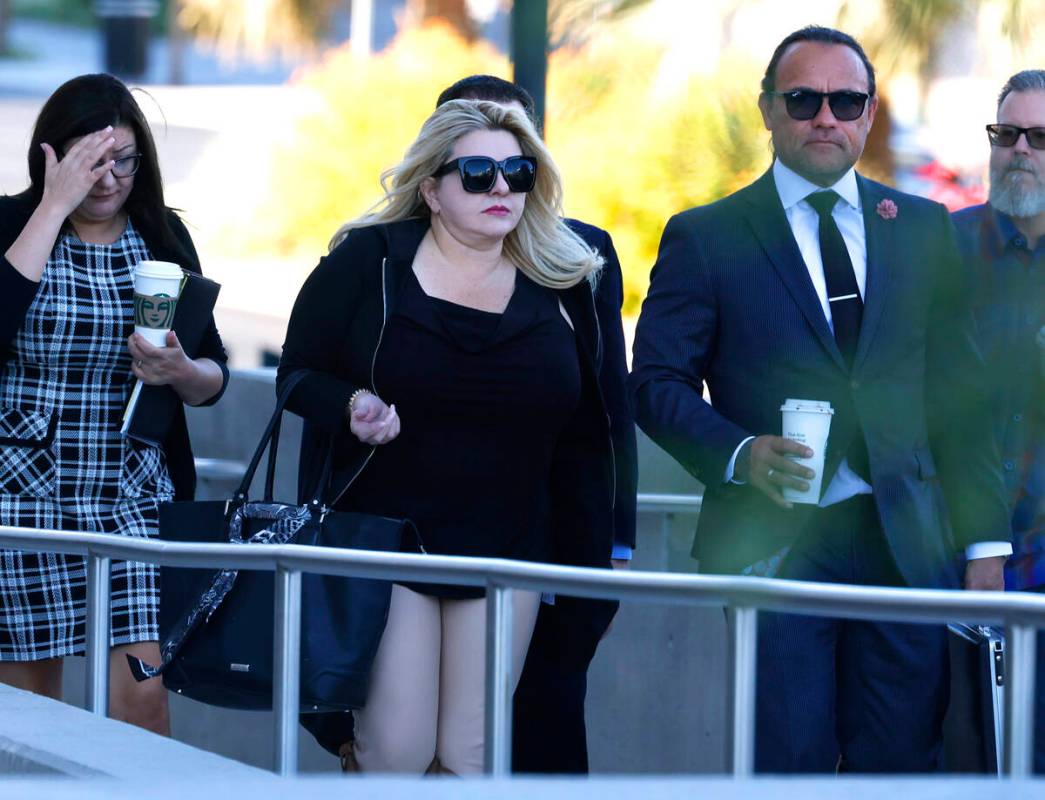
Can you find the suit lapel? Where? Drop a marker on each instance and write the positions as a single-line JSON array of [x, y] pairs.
[[880, 255], [769, 223]]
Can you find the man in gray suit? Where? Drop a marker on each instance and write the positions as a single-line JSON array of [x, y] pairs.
[[816, 283]]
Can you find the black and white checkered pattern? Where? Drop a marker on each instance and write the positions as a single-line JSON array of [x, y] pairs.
[[69, 374]]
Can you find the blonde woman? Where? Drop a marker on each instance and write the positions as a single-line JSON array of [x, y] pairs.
[[453, 352]]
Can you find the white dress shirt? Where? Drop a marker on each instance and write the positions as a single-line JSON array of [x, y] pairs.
[[805, 225]]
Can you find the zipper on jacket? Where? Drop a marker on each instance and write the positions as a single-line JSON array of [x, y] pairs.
[[373, 367], [609, 421]]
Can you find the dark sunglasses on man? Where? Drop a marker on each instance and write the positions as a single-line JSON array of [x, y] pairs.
[[1008, 135], [804, 104], [479, 173]]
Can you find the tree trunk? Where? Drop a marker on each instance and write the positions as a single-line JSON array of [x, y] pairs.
[[454, 12]]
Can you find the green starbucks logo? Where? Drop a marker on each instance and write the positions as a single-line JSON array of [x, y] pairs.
[[154, 310]]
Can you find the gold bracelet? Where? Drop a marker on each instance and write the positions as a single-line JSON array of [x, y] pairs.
[[352, 400]]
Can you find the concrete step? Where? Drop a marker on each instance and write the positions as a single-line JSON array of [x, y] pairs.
[[44, 737]]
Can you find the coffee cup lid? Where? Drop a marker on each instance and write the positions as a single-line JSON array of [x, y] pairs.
[[158, 269], [810, 406]]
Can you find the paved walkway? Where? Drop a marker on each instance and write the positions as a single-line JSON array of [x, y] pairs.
[[50, 54], [176, 787]]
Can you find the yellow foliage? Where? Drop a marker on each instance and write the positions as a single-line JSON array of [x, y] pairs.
[[634, 143], [373, 110]]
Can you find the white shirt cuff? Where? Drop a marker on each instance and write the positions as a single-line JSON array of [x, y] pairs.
[[987, 550], [621, 552], [728, 477]]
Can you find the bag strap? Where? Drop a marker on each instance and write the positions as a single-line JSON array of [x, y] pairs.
[[269, 441]]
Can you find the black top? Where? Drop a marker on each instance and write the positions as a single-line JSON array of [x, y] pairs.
[[338, 321], [335, 330], [483, 399]]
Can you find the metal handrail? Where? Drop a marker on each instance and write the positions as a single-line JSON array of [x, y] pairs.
[[1021, 613]]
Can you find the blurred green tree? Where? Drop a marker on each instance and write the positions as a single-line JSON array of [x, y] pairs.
[[256, 28], [914, 34], [5, 22], [635, 145]]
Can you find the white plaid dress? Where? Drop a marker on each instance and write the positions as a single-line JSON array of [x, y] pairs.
[[69, 373]]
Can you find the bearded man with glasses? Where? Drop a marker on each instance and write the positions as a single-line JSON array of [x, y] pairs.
[[1004, 242], [815, 283]]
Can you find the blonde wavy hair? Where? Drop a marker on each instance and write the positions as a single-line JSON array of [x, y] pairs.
[[542, 246]]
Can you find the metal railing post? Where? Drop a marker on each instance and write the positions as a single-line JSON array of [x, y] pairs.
[[286, 676], [99, 589], [497, 741], [1019, 700], [743, 649]]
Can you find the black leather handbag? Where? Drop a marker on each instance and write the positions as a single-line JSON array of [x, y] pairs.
[[216, 627]]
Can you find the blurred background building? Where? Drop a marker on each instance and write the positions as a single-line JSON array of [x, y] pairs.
[[274, 118]]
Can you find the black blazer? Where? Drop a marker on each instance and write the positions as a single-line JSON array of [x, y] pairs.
[[17, 293], [731, 305], [334, 332]]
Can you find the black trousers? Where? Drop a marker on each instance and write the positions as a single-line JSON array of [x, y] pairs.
[[548, 730], [851, 694]]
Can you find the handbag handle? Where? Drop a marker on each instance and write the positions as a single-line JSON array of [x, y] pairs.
[[270, 441]]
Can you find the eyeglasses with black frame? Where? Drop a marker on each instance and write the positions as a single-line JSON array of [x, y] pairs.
[[804, 104], [1008, 135], [125, 166], [479, 173]]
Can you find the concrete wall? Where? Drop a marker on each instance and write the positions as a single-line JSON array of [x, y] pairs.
[[657, 685]]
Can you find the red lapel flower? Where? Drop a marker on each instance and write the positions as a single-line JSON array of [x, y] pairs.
[[886, 209]]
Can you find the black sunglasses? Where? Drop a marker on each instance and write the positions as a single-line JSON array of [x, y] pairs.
[[479, 173], [1008, 135], [805, 104]]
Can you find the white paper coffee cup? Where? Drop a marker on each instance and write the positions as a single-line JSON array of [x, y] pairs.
[[807, 422], [157, 285]]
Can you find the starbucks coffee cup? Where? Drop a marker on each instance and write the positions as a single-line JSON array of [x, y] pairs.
[[157, 285], [807, 422]]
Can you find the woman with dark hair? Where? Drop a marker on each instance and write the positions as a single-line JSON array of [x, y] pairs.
[[70, 244]]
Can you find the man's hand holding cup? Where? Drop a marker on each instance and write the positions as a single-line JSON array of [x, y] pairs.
[[764, 463]]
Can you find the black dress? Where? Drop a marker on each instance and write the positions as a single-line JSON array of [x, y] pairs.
[[482, 399]]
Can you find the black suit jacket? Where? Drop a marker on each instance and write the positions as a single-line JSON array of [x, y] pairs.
[[731, 305]]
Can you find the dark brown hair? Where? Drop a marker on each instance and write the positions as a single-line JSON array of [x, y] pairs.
[[817, 33], [87, 104]]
